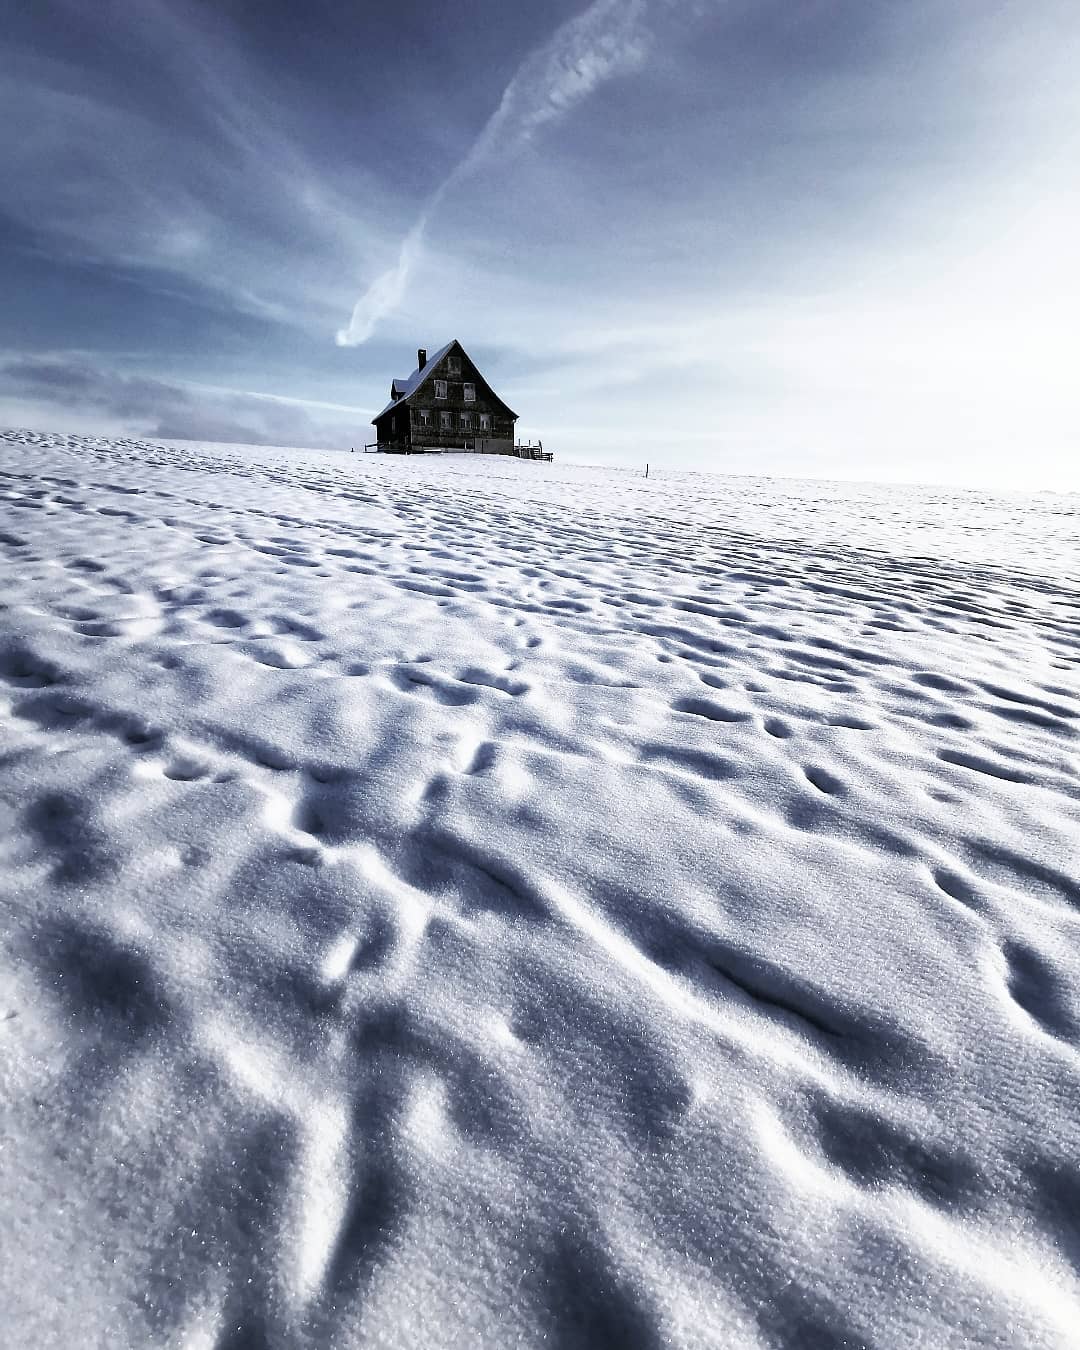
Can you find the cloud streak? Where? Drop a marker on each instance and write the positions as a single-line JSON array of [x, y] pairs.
[[609, 39], [810, 235], [51, 386], [192, 171]]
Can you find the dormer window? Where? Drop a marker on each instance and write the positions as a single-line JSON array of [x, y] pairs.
[[440, 388], [470, 393]]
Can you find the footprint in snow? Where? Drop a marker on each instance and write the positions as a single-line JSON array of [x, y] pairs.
[[712, 712], [776, 726], [823, 780], [1039, 987]]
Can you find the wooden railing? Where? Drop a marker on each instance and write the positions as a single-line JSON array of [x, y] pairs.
[[519, 450]]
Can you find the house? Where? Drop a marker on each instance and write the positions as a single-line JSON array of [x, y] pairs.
[[445, 404]]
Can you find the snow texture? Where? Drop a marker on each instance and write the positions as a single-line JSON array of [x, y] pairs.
[[463, 903]]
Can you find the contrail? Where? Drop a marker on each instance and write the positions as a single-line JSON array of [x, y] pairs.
[[609, 38]]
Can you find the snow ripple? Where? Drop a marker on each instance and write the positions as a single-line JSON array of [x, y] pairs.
[[465, 903]]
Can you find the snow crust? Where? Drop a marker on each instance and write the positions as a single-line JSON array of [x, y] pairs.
[[451, 902]]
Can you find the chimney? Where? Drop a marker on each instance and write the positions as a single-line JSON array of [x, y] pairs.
[[421, 358]]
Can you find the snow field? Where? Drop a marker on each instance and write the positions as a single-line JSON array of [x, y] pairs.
[[455, 903]]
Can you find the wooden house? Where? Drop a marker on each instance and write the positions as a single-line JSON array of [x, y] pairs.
[[445, 404]]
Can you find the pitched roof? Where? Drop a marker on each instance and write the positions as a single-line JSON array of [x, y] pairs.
[[403, 388]]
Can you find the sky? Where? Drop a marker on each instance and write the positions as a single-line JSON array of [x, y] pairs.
[[820, 238]]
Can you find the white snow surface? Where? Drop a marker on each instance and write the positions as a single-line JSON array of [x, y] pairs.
[[462, 902]]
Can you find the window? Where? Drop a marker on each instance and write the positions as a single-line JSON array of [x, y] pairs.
[[446, 421], [393, 426], [466, 421], [470, 393], [440, 388], [424, 415], [453, 365], [485, 422]]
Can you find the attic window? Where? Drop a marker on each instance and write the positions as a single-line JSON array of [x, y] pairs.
[[440, 388], [470, 393], [453, 365]]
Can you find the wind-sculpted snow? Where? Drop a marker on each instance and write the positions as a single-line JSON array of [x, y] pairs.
[[455, 903]]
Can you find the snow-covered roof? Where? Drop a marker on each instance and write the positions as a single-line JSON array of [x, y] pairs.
[[403, 388]]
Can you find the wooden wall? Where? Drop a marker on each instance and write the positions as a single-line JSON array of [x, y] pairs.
[[411, 433]]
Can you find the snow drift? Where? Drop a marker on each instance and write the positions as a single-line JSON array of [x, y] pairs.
[[454, 903]]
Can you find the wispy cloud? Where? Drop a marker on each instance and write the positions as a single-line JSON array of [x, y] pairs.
[[48, 387], [806, 233], [386, 291], [190, 169], [610, 38]]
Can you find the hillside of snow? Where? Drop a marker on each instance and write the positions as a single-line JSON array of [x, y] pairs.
[[460, 902]]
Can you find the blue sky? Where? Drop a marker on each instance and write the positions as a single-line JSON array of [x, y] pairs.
[[811, 237]]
